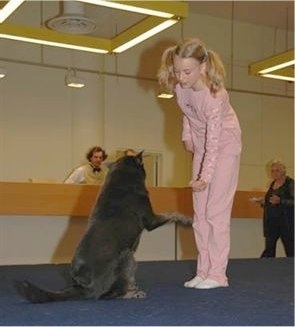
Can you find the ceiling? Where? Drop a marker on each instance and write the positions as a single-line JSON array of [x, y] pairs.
[[110, 22], [278, 14], [114, 26]]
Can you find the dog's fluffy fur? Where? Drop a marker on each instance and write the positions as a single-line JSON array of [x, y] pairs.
[[104, 265]]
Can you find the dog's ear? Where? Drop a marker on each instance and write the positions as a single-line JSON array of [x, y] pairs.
[[139, 157]]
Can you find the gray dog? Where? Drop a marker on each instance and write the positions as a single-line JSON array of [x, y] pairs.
[[104, 265]]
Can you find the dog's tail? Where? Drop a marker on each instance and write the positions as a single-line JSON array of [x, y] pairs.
[[35, 294]]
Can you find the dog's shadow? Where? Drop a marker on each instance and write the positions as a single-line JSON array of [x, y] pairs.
[[68, 243]]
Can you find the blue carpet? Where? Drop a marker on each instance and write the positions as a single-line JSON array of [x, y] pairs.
[[261, 293]]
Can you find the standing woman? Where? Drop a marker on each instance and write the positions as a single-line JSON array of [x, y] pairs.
[[211, 131], [278, 217]]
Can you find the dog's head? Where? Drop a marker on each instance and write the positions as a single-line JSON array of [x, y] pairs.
[[128, 169]]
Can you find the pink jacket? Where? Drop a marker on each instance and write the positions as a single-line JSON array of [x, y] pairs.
[[210, 125]]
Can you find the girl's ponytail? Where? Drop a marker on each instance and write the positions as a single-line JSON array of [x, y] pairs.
[[215, 72], [166, 74]]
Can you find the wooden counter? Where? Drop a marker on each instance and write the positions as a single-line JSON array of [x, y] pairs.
[[37, 199]]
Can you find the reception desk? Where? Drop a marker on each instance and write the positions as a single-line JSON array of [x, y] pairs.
[[38, 199], [43, 223]]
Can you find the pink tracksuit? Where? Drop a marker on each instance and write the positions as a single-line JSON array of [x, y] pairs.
[[211, 127]]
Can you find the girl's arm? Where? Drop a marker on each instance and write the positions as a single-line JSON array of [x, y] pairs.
[[187, 135], [214, 125]]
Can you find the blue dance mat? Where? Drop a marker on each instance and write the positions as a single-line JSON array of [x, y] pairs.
[[261, 293]]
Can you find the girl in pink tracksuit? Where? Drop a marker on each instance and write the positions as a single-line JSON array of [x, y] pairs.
[[211, 131]]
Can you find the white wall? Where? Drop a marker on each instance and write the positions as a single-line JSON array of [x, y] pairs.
[[46, 128]]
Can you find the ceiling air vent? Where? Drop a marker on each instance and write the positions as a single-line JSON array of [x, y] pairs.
[[72, 20]]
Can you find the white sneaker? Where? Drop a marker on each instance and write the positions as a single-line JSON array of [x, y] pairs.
[[193, 282], [208, 284]]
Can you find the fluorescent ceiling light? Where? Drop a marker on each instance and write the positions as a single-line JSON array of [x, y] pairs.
[[281, 66], [9, 8], [50, 43], [165, 95], [157, 20], [146, 35], [72, 80], [3, 72], [78, 84], [283, 78], [132, 8], [276, 67]]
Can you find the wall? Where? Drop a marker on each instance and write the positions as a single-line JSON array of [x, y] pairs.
[[46, 127]]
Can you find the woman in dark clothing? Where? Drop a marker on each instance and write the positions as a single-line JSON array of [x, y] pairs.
[[278, 217]]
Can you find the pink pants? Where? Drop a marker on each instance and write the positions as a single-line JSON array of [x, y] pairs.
[[212, 213]]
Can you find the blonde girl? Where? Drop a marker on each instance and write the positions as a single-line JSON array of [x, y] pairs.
[[211, 131]]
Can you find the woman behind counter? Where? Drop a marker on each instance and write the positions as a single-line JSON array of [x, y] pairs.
[[278, 216]]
